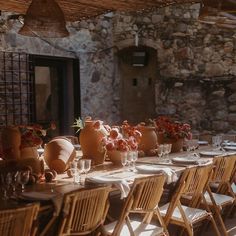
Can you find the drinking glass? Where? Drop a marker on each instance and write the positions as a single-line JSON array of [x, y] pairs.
[[14, 183], [23, 178], [165, 150], [87, 165], [169, 149], [84, 167], [74, 170], [134, 159], [124, 159], [129, 160], [188, 145], [160, 150]]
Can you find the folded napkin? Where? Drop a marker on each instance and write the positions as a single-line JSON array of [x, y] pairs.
[[148, 169], [121, 184]]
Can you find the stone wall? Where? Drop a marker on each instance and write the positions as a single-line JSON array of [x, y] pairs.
[[89, 41], [196, 63]]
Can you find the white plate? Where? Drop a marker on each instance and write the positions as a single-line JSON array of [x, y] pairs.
[[148, 169], [211, 153], [184, 160], [230, 148], [229, 144], [202, 142]]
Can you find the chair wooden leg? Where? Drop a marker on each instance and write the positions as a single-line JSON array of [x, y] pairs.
[[222, 224], [214, 225]]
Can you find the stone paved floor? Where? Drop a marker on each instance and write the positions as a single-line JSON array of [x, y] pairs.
[[230, 225]]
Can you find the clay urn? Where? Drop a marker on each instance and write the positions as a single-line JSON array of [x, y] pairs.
[[148, 141], [58, 153], [11, 141], [90, 140]]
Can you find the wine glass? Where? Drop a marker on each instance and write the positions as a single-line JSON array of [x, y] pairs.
[[80, 167], [14, 183], [23, 178], [165, 150], [124, 159], [134, 159], [87, 166], [129, 159], [169, 149], [160, 150], [74, 170]]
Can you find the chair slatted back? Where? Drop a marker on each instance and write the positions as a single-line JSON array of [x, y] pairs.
[[196, 183], [146, 192], [19, 221], [193, 183], [143, 197], [84, 211], [224, 169]]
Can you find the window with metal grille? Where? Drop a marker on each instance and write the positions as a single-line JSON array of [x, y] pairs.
[[16, 89]]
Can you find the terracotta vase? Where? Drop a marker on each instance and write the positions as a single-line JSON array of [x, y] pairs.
[[58, 153], [90, 141], [115, 156], [37, 165], [148, 140], [29, 152], [11, 141], [177, 145]]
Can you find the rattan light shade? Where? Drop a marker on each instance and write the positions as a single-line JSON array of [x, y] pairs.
[[219, 12], [44, 18]]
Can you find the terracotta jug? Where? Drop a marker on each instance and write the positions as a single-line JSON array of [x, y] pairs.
[[58, 153], [148, 140], [29, 152], [90, 141], [11, 141]]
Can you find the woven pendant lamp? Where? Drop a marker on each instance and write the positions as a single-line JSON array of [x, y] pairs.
[[219, 12], [44, 18]]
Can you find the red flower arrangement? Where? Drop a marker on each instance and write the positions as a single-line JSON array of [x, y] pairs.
[[31, 135], [172, 129], [122, 142]]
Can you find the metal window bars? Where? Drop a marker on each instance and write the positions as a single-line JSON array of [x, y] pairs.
[[17, 99]]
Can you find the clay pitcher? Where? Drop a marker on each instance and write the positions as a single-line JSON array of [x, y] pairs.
[[29, 152], [90, 141], [148, 140], [58, 153], [11, 141]]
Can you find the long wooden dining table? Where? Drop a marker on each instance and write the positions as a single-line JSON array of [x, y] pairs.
[[50, 195]]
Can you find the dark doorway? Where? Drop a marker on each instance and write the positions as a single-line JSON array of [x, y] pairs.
[[57, 92]]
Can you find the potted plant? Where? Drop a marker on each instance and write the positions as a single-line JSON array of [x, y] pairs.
[[118, 143], [173, 132]]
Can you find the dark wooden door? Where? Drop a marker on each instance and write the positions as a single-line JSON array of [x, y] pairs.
[[138, 69]]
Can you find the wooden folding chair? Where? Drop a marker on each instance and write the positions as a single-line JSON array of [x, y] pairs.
[[184, 208], [84, 211], [223, 195], [143, 200], [19, 221]]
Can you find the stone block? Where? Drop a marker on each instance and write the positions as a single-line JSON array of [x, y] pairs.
[[232, 98]]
